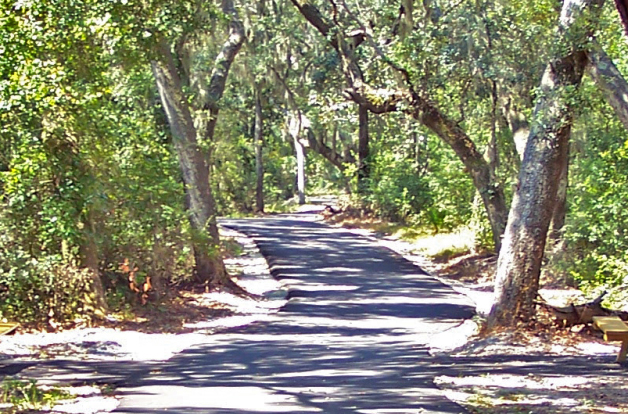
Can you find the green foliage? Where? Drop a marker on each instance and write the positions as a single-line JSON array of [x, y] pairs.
[[396, 191], [86, 176], [45, 291], [597, 221]]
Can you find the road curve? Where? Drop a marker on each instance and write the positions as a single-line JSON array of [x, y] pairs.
[[351, 339]]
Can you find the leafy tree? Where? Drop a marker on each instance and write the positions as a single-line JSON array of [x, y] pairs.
[[519, 264]]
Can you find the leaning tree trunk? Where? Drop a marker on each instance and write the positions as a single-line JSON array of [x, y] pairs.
[[610, 81], [519, 264], [259, 143], [483, 176], [208, 263]]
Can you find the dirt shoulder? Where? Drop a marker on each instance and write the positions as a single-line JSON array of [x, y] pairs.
[[187, 320]]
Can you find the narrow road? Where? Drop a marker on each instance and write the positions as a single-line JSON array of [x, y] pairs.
[[350, 340]]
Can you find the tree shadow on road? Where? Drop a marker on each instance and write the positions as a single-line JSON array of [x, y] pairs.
[[352, 339]]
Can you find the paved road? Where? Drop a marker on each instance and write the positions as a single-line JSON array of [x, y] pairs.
[[350, 340]]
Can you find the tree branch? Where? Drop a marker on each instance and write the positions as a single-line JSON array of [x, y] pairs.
[[610, 80], [226, 56]]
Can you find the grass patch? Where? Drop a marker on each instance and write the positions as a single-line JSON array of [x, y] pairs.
[[17, 395], [440, 247], [446, 246]]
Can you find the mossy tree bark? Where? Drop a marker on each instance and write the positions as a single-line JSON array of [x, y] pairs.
[[546, 153], [193, 160]]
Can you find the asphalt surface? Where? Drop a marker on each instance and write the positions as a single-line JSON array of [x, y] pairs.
[[351, 339]]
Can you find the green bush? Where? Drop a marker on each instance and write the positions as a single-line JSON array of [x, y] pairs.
[[43, 291], [395, 191]]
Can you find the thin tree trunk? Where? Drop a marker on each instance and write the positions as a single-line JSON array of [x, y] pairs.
[[296, 124], [89, 255], [363, 149], [300, 153], [259, 143], [610, 81], [492, 151], [519, 263]]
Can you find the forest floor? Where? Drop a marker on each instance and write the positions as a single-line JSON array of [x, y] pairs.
[[447, 257], [191, 316]]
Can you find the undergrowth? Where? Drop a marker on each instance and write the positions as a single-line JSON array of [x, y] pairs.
[[17, 396]]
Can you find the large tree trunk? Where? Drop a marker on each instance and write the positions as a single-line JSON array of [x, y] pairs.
[[363, 149], [519, 263], [259, 144], [195, 171], [610, 81], [520, 128]]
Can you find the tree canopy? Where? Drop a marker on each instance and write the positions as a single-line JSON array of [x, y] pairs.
[[127, 127]]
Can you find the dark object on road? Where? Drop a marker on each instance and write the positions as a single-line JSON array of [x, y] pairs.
[[330, 211]]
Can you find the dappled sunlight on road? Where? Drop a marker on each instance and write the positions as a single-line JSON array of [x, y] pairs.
[[237, 399], [351, 338]]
